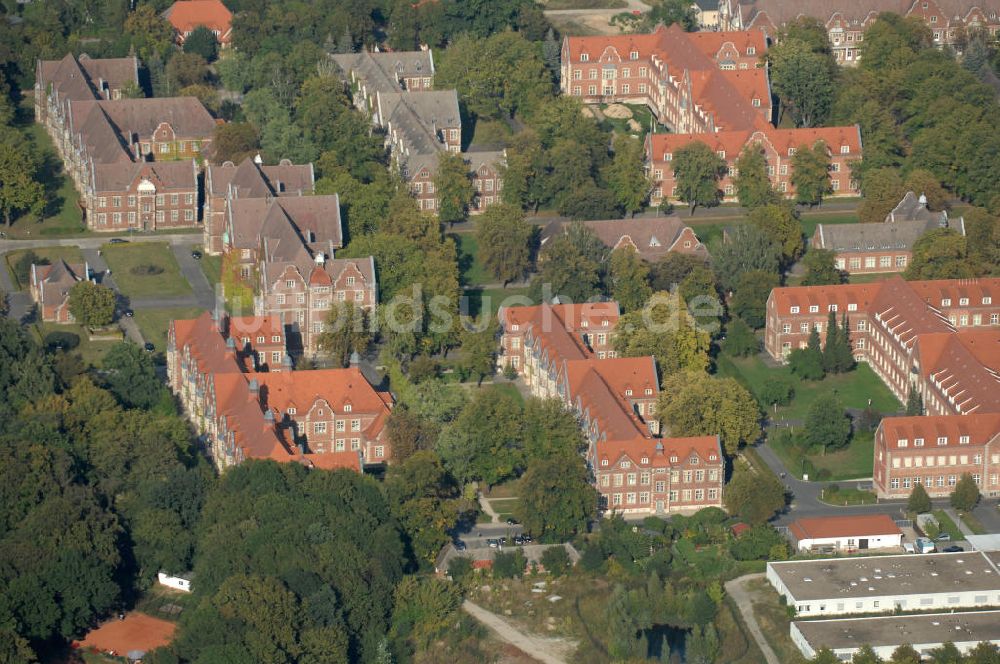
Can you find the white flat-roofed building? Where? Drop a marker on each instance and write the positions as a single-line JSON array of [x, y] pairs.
[[875, 584], [847, 533], [846, 636]]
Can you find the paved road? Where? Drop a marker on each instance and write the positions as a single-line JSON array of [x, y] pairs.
[[204, 294], [95, 242], [476, 538], [544, 650], [633, 5], [737, 590]]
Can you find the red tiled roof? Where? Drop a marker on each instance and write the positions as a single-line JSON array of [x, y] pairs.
[[334, 460], [733, 141], [868, 525], [186, 15], [338, 387], [658, 451], [980, 429], [823, 296]]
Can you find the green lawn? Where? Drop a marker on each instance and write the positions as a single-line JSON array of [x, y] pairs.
[[640, 113], [68, 254], [471, 270], [92, 352], [948, 526], [211, 266], [509, 389], [154, 323], [845, 497], [850, 463], [128, 260], [809, 220], [505, 507], [477, 298], [854, 388], [491, 133]]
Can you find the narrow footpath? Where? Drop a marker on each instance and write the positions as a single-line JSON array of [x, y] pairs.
[[544, 650], [737, 591]]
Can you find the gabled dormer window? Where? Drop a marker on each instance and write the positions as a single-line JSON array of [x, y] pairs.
[[584, 57], [645, 460]]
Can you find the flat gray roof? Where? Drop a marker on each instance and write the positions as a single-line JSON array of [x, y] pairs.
[[930, 628], [879, 576]]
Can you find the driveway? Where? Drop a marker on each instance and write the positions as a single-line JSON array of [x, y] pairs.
[[632, 6]]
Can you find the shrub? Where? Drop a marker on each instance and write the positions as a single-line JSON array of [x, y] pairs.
[[592, 558], [509, 565], [63, 340], [555, 560], [459, 568], [22, 268], [146, 270], [776, 390]]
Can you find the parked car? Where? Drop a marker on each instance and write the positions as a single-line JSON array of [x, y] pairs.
[[924, 545], [117, 240], [944, 537], [909, 548], [459, 545], [196, 255], [511, 522], [129, 313], [494, 544], [954, 548], [149, 346]]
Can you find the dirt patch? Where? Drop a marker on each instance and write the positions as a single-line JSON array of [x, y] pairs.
[[618, 111], [136, 632]]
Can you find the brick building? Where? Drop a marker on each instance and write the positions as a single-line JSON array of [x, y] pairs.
[[935, 451], [142, 195], [50, 286], [186, 15], [779, 146], [846, 21], [250, 179], [698, 82], [396, 91], [246, 403], [652, 238], [883, 247], [106, 142], [940, 338], [565, 352], [285, 247]]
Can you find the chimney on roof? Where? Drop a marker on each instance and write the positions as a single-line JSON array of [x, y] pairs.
[[923, 201], [268, 416], [286, 361], [257, 159], [320, 258], [355, 359], [254, 388], [659, 449], [230, 344]]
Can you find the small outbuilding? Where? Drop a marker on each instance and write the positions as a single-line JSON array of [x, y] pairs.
[[180, 582], [846, 533]]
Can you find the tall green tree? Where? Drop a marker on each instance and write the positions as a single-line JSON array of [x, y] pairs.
[[747, 248], [347, 330], [453, 186], [131, 376], [504, 239], [914, 402], [485, 441], [202, 41], [918, 502], [802, 81], [882, 189], [626, 174], [827, 424], [750, 300], [811, 174], [20, 192], [941, 253], [965, 496], [821, 268], [478, 357], [780, 222], [693, 403], [697, 172], [753, 186], [557, 499], [807, 363], [629, 279], [566, 271], [91, 304], [755, 497], [664, 329]]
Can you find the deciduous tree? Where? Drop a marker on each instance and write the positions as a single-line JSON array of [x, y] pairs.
[[19, 191], [91, 304], [811, 174], [453, 186], [235, 141], [941, 253], [821, 268], [202, 41], [918, 502], [131, 376], [753, 186], [802, 80], [629, 279], [626, 174], [740, 339], [504, 239], [747, 249], [750, 300], [347, 330], [693, 403], [827, 425], [755, 497], [697, 171], [557, 499], [780, 223], [665, 330]]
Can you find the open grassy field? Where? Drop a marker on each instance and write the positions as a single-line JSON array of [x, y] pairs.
[[852, 462], [92, 352], [854, 388], [211, 266], [471, 270], [154, 323], [68, 254], [145, 269]]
